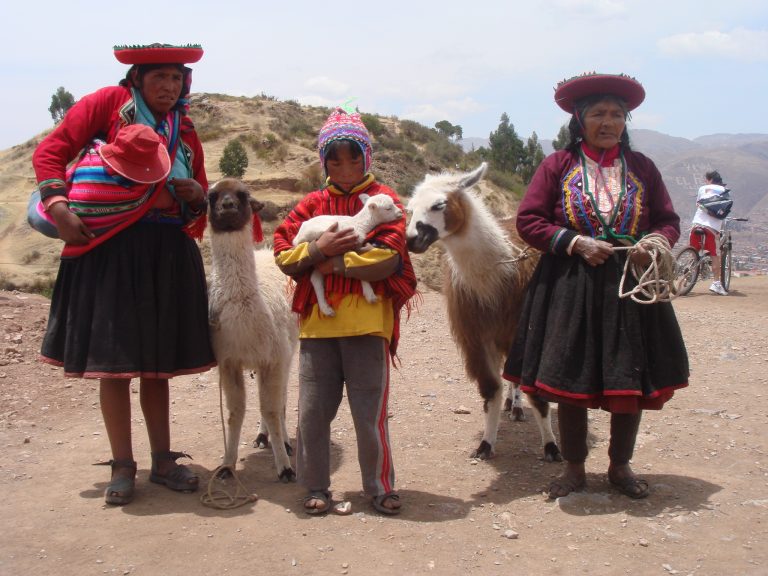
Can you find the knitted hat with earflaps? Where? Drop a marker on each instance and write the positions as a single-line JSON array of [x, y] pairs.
[[342, 125]]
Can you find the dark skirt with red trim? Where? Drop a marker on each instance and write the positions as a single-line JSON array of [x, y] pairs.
[[136, 305], [579, 343]]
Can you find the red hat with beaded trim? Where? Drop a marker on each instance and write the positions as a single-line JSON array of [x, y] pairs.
[[159, 54], [570, 91]]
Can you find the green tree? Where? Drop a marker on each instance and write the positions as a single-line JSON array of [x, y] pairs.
[[61, 101], [506, 148], [445, 128], [534, 154], [563, 136], [234, 159]]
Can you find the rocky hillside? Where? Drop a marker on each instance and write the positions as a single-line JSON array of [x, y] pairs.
[[280, 141]]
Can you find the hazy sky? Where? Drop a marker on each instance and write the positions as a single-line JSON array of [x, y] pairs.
[[704, 64]]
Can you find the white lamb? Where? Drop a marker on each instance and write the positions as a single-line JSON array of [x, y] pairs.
[[252, 326], [376, 210]]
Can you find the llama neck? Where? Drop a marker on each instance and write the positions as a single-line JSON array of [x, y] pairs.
[[480, 254], [233, 260]]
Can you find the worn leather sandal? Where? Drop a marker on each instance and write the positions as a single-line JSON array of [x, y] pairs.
[[632, 486], [179, 477], [121, 489], [323, 497], [378, 503]]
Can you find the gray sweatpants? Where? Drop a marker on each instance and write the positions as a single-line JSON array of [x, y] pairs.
[[325, 366]]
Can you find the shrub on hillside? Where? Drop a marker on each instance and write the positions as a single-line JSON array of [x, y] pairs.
[[417, 132], [373, 124], [234, 159]]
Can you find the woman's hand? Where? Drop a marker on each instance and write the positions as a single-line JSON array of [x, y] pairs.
[[640, 256], [189, 190], [71, 228], [595, 252], [333, 241]]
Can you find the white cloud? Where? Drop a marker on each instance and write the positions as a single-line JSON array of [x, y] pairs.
[[326, 85], [740, 43]]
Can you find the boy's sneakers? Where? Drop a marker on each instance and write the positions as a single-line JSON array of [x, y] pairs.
[[717, 288]]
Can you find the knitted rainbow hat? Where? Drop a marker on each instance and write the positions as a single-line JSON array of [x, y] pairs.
[[342, 125]]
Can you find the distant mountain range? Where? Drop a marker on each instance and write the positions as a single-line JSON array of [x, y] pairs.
[[741, 159]]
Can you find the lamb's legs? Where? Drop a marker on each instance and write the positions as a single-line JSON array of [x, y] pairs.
[[318, 283], [233, 384], [368, 292]]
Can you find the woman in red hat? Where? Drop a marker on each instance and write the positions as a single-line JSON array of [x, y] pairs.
[[130, 298], [579, 344]]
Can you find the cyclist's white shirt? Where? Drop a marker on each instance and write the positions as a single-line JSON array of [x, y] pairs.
[[702, 218]]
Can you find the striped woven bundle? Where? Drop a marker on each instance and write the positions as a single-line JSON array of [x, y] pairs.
[[101, 199]]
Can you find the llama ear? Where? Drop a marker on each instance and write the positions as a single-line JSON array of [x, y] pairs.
[[473, 177], [256, 206]]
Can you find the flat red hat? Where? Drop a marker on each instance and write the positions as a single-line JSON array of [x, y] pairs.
[[570, 91], [138, 153], [159, 54]]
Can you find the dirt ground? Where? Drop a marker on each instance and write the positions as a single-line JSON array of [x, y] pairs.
[[704, 455]]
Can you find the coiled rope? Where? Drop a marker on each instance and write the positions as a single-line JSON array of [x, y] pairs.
[[655, 281], [219, 497]]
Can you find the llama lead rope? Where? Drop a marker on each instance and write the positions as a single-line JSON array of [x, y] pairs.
[[220, 498], [656, 282]]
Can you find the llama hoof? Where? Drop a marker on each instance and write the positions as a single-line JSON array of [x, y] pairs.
[[288, 449], [552, 453], [287, 475], [507, 405], [262, 441], [484, 451], [518, 415], [224, 473]]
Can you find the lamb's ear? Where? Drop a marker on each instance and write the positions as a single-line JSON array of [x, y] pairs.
[[256, 206], [473, 177]]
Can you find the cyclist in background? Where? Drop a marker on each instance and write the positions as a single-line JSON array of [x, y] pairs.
[[711, 225]]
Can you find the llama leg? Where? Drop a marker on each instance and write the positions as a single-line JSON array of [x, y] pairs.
[[368, 292], [272, 380], [543, 417], [514, 403], [492, 408], [318, 283], [233, 385], [262, 436]]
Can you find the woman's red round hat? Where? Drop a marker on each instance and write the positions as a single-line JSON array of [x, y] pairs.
[[159, 54], [570, 91]]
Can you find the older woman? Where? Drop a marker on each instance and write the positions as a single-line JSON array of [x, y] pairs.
[[130, 298], [578, 343]]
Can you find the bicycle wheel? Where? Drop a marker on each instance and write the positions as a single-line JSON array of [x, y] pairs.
[[726, 264], [686, 270]]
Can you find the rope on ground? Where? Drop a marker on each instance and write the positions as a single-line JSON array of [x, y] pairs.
[[656, 281], [221, 498]]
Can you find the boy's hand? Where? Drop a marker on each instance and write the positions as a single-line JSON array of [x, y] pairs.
[[334, 241]]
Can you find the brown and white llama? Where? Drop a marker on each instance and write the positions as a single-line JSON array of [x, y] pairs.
[[252, 325], [486, 274]]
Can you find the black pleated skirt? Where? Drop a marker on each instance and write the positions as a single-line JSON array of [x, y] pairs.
[[578, 342], [136, 305]]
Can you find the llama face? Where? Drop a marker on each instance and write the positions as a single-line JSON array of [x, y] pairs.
[[438, 208], [231, 206]]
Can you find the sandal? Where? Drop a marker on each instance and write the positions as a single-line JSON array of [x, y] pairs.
[[179, 477], [120, 490], [323, 497], [378, 503], [564, 485], [632, 486]]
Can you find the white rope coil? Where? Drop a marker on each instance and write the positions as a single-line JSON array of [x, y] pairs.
[[656, 281]]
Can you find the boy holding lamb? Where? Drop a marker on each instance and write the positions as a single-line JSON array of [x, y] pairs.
[[353, 346]]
